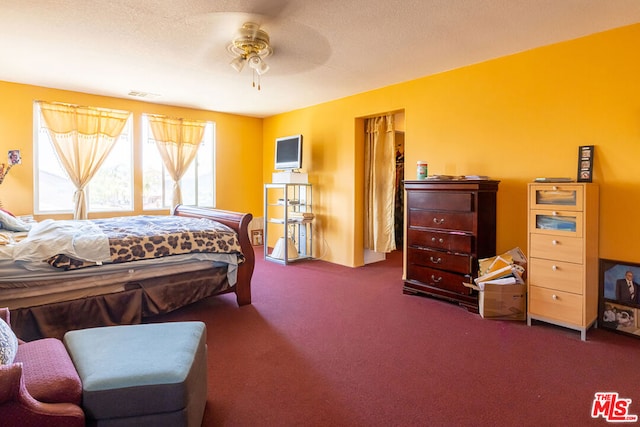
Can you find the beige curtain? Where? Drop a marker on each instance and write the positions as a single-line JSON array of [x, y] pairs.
[[82, 138], [380, 184], [177, 141]]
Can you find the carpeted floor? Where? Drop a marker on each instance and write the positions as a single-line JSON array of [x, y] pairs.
[[326, 345]]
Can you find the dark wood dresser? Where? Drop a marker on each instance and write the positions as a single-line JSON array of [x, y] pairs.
[[449, 225]]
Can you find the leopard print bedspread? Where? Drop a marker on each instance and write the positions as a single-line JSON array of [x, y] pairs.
[[134, 238]]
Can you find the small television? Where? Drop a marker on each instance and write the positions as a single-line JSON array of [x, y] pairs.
[[289, 152]]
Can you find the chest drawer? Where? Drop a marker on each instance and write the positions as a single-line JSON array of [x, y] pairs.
[[441, 220], [557, 305], [560, 248], [556, 223], [454, 242], [557, 196], [442, 260], [438, 278], [563, 276], [441, 200]]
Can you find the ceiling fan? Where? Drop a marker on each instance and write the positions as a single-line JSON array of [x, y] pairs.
[[251, 46], [241, 31]]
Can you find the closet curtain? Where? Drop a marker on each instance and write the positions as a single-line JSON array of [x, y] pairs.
[[82, 138], [177, 141], [380, 184]]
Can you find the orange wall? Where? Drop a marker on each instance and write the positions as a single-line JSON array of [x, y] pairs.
[[513, 118], [238, 146]]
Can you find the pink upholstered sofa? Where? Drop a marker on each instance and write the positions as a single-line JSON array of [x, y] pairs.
[[40, 386]]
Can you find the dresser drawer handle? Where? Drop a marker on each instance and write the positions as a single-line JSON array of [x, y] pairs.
[[554, 242], [554, 267], [554, 213], [435, 260], [554, 297], [440, 240], [436, 279], [438, 221]]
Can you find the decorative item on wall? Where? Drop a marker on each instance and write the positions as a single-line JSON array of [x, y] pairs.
[[585, 163], [4, 170], [619, 296], [13, 159]]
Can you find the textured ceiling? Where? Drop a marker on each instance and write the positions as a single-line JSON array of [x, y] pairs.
[[175, 50]]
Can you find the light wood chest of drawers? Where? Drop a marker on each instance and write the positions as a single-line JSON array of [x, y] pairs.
[[562, 273], [449, 225]]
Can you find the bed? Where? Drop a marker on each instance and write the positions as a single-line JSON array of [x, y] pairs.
[[129, 286]]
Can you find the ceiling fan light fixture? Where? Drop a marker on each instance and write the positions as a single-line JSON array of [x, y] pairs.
[[263, 68], [251, 46], [257, 63], [237, 63]]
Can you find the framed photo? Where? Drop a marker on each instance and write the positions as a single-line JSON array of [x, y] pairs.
[[585, 163], [619, 302], [14, 157], [256, 237]]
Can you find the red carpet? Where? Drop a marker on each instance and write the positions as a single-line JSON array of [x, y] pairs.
[[325, 345]]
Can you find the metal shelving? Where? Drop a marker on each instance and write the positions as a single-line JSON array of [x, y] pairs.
[[288, 216]]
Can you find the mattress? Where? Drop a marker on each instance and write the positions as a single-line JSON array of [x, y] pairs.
[[27, 288]]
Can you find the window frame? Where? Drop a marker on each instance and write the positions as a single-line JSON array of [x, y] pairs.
[[147, 138], [37, 126]]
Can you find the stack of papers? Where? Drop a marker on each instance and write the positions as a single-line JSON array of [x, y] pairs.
[[553, 179], [506, 269], [301, 216]]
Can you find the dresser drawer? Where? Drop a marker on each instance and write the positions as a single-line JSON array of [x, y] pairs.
[[441, 220], [438, 278], [454, 242], [441, 200], [441, 260], [563, 276], [560, 248], [561, 306]]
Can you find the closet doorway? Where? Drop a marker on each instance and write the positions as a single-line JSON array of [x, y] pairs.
[[393, 231]]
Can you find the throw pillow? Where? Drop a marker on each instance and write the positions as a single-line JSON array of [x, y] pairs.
[[8, 344], [11, 223]]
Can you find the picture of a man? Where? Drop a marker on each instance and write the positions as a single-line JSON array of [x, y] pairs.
[[627, 290]]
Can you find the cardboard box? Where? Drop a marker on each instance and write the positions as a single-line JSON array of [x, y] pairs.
[[502, 302], [507, 302]]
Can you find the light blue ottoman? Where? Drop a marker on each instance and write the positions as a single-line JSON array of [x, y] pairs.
[[142, 375]]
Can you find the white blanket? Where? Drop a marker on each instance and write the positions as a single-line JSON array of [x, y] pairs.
[[81, 240]]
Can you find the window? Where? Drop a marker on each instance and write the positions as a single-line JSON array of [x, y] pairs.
[[198, 183], [111, 189]]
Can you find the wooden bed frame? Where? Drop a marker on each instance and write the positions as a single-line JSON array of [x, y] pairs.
[[240, 223], [147, 297]]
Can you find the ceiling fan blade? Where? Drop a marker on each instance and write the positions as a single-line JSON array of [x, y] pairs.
[[269, 9]]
